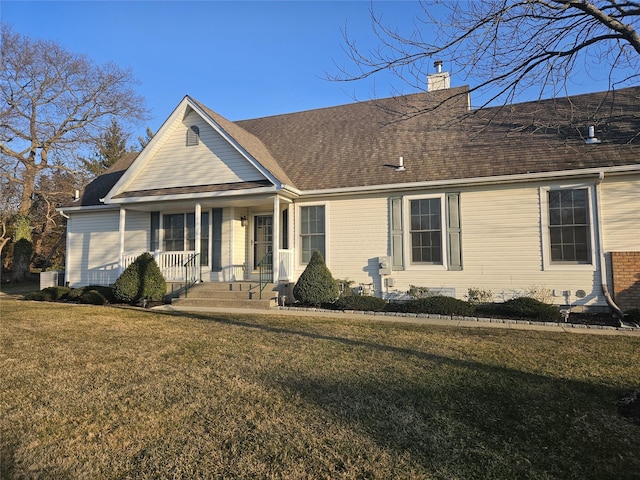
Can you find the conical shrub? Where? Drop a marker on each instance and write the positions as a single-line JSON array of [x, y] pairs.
[[141, 280], [316, 285]]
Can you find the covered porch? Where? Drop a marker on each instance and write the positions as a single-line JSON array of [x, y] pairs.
[[211, 239]]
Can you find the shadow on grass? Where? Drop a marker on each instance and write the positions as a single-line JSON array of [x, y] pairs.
[[458, 418]]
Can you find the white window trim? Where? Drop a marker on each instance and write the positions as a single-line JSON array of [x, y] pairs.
[[547, 264], [298, 227], [406, 226], [184, 213]]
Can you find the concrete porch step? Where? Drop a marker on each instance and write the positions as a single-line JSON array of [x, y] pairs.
[[229, 294]]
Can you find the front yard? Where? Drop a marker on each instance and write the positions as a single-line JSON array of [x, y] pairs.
[[103, 392]]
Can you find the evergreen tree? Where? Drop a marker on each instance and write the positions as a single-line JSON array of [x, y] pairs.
[[22, 248], [111, 145], [144, 141], [316, 285]]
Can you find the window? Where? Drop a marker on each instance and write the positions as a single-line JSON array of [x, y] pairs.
[[193, 135], [569, 226], [179, 234], [426, 231], [312, 231], [173, 226]]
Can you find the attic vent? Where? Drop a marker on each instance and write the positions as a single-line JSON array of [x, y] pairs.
[[193, 136]]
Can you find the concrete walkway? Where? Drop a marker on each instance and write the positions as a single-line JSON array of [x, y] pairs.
[[417, 319]]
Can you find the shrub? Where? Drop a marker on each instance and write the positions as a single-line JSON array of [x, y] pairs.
[[477, 295], [76, 294], [524, 307], [540, 293], [345, 287], [141, 280], [39, 296], [360, 302], [440, 304], [316, 285], [93, 297], [418, 292], [49, 294]]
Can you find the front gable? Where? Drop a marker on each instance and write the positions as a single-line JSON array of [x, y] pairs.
[[191, 153]]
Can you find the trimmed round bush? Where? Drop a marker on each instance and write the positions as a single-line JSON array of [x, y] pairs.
[[93, 297], [316, 284], [525, 307], [360, 302], [141, 280], [440, 305]]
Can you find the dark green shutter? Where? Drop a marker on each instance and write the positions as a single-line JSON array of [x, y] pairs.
[[154, 237], [396, 240], [454, 232], [216, 240]]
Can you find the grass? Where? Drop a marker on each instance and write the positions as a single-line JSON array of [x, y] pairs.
[[102, 392]]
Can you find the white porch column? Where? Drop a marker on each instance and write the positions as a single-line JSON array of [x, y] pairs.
[[198, 225], [276, 238], [121, 230]]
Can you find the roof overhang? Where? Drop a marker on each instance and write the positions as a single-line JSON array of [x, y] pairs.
[[478, 181]]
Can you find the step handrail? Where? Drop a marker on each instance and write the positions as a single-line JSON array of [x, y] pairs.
[[192, 265], [265, 268]]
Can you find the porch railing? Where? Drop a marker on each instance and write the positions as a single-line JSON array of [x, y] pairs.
[[265, 267], [192, 272], [171, 263]]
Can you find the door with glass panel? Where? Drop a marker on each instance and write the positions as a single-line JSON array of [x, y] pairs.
[[262, 237]]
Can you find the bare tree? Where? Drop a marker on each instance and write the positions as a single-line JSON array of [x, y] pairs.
[[53, 103], [507, 46]]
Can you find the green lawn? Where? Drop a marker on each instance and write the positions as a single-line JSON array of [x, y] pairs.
[[101, 392]]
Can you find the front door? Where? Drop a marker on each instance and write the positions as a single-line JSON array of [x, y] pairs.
[[262, 237]]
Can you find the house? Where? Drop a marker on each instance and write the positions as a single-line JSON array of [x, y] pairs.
[[413, 190]]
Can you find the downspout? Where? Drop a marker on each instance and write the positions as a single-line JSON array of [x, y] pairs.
[[603, 269]]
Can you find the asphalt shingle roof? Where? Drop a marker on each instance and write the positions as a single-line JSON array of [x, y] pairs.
[[358, 144]]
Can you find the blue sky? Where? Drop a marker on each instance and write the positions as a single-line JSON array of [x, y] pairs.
[[242, 59]]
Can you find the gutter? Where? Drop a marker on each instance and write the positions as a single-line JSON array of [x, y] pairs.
[[619, 314]]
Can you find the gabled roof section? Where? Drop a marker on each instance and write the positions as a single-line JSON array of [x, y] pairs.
[[244, 143]]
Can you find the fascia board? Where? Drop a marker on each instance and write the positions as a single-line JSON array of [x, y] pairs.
[[191, 196], [86, 208]]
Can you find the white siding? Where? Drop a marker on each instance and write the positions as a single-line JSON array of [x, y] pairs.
[[501, 246], [621, 214], [138, 226], [93, 246], [213, 161]]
